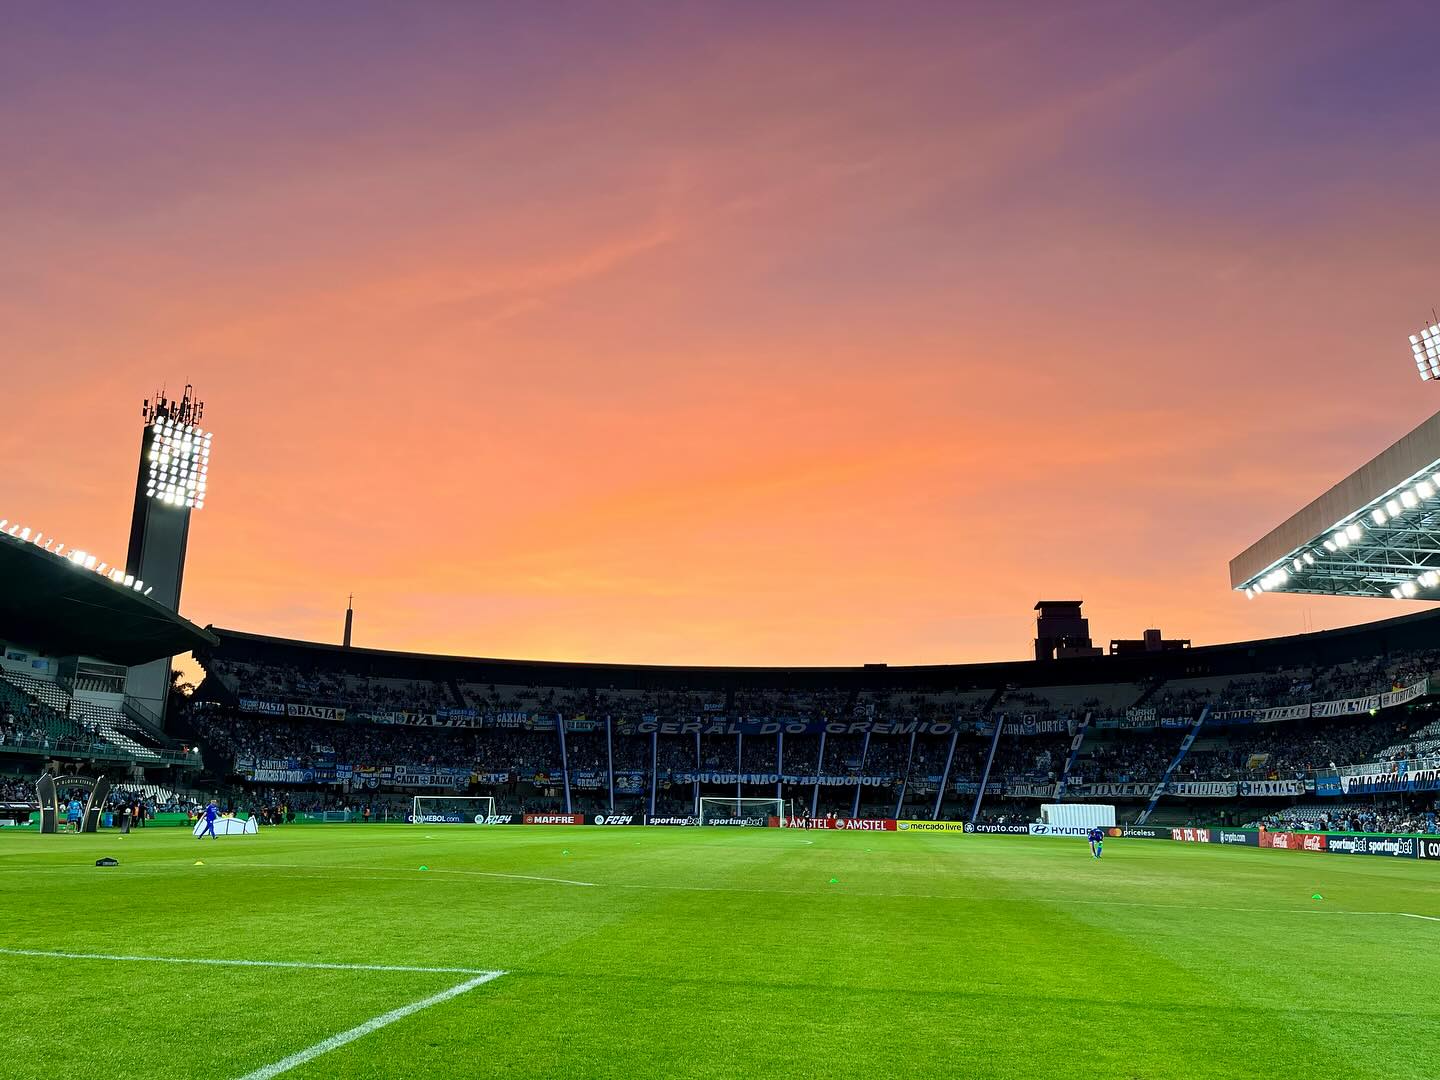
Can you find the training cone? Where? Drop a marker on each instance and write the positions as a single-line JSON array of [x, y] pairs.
[[424, 868], [199, 862], [834, 881], [565, 852], [1317, 896]]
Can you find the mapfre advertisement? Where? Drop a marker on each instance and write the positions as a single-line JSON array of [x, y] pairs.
[[554, 819]]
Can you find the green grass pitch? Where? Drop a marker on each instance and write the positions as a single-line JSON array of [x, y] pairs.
[[711, 953]]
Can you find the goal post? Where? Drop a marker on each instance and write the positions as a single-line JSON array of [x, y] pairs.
[[740, 811], [452, 810]]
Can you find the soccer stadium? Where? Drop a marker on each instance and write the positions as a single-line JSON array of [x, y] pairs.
[[231, 852]]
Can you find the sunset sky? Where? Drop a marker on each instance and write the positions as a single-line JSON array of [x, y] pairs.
[[749, 333]]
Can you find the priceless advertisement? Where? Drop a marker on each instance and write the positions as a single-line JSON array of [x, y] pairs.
[[1401, 847], [554, 819], [1141, 832], [844, 824]]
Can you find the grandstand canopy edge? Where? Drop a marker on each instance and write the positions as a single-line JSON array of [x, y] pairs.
[[1384, 549], [47, 603]]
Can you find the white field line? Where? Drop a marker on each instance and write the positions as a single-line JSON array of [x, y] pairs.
[[404, 870], [207, 961], [324, 1046]]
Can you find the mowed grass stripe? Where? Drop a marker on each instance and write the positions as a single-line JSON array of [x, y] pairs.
[[722, 953]]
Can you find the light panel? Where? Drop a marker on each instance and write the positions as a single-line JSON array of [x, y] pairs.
[[1426, 348], [75, 557], [178, 456]]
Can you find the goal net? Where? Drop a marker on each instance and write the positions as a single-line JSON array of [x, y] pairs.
[[452, 810], [740, 811]]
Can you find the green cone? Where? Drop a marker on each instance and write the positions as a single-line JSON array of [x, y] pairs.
[[565, 852], [1317, 896], [834, 881], [424, 868]]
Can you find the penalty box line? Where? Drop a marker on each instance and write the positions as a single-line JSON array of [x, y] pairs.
[[334, 1042], [479, 978], [212, 962]]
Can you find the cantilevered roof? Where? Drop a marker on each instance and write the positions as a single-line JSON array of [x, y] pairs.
[[1375, 533], [50, 603]]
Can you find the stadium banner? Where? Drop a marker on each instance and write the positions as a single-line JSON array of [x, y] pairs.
[[588, 779], [1427, 847], [843, 824], [794, 726], [1347, 707], [1139, 832], [490, 778], [1328, 784], [1407, 694], [630, 782], [930, 826], [268, 708], [960, 787], [738, 822], [1230, 837], [1006, 830], [661, 819], [430, 776], [1202, 789], [281, 776], [617, 819], [1283, 712], [1110, 791], [554, 819], [1191, 836], [1040, 829], [1272, 787], [771, 779], [1403, 847], [1030, 791], [1292, 841], [1397, 777], [315, 712]]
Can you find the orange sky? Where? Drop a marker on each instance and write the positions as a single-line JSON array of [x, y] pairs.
[[717, 333]]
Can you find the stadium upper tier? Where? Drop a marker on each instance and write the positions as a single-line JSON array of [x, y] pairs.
[[1078, 678]]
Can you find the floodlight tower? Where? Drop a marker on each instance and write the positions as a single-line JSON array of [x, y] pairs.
[[172, 479]]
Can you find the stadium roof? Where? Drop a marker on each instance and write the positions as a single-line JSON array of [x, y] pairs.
[[49, 603], [1375, 533]]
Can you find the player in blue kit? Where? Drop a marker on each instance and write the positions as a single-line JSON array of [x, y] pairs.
[[1097, 841], [211, 813]]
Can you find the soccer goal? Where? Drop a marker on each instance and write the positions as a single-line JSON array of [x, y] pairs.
[[452, 810], [740, 811]]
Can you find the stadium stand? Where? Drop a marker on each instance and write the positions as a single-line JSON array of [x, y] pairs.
[[318, 725]]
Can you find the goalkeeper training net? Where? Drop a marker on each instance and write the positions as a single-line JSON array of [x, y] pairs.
[[740, 811], [452, 810]]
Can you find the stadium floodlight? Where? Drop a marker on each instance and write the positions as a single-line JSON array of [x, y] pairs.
[[1407, 589], [1425, 347], [177, 459], [1408, 500]]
